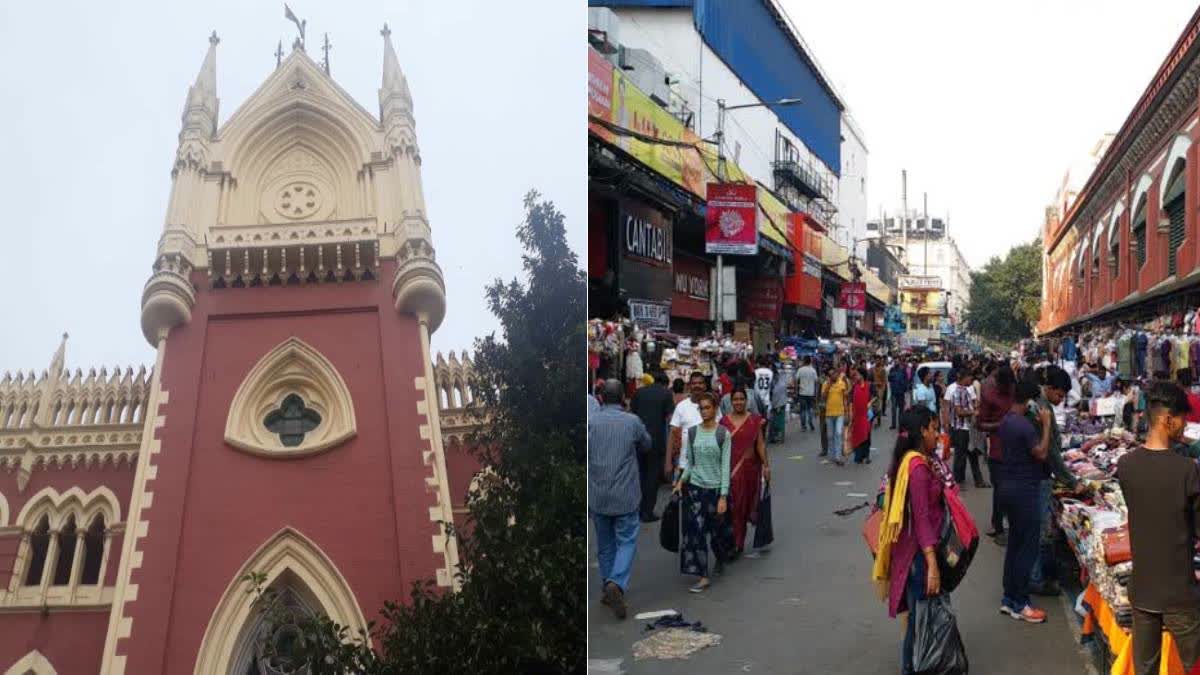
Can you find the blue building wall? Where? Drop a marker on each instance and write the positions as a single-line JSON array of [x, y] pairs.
[[747, 37]]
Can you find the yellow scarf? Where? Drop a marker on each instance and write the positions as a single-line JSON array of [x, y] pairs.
[[894, 499]]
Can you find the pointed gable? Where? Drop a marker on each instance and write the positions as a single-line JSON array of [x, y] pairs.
[[296, 148]]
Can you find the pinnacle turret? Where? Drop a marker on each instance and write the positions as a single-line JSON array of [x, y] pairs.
[[200, 111], [394, 90]]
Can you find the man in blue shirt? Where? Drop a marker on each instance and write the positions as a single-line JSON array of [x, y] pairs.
[[615, 438], [1101, 381], [923, 393]]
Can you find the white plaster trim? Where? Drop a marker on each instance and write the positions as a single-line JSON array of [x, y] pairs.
[[292, 367], [33, 662], [1179, 148], [1115, 219], [3, 511], [88, 505], [1143, 185], [286, 551], [120, 626], [427, 408]]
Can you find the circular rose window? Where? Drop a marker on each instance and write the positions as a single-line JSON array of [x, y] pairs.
[[298, 200]]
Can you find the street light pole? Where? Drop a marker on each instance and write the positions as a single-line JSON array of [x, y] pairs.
[[719, 137]]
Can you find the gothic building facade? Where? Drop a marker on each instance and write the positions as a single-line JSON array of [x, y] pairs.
[[292, 423]]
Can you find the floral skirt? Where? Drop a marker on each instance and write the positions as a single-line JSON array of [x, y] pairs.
[[703, 529]]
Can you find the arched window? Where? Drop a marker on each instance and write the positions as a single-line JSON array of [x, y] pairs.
[[93, 552], [267, 645], [1137, 227], [39, 546], [66, 553], [1173, 205]]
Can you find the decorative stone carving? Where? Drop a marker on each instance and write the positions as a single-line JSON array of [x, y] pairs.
[[292, 369]]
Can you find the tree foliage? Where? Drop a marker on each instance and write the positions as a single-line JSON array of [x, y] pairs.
[[523, 557], [1006, 295]]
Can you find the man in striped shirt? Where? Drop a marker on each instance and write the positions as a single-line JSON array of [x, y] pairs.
[[615, 438]]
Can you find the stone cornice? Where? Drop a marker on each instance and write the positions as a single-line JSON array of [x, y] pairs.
[[1145, 131]]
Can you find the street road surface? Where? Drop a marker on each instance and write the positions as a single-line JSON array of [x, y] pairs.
[[809, 605]]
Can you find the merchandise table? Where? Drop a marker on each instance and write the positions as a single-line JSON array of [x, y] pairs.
[[1120, 644]]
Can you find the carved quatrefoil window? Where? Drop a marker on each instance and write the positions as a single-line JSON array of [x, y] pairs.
[[292, 421], [298, 200], [293, 403]]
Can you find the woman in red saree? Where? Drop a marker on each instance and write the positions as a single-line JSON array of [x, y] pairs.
[[748, 459], [859, 427]]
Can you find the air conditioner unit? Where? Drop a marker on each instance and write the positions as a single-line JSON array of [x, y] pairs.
[[647, 73], [603, 30]]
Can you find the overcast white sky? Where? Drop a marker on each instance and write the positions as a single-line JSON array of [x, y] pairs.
[[90, 102], [986, 105]]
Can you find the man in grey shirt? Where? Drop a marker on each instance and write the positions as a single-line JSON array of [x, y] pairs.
[[615, 438], [806, 393]]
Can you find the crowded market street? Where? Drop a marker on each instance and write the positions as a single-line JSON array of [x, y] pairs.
[[808, 606]]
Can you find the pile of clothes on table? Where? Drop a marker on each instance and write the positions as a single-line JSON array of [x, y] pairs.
[[1096, 458], [1098, 534]]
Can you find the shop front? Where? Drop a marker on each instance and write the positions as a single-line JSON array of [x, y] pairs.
[[761, 300], [692, 297]]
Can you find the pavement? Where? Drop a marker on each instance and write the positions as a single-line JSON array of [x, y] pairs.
[[808, 606]]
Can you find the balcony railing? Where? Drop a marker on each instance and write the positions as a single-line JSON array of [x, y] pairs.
[[801, 177]]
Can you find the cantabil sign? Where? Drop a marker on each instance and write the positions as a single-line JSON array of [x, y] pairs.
[[731, 225], [644, 236]]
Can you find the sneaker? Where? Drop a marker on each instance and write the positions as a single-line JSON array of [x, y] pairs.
[[614, 597], [1029, 613], [700, 586]]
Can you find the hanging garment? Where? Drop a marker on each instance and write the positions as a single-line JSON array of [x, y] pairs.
[[1069, 352], [1125, 357], [1179, 355], [1140, 343]]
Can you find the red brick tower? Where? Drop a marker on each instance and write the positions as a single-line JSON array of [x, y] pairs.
[[291, 423]]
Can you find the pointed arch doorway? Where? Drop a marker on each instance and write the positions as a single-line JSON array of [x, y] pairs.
[[306, 582]]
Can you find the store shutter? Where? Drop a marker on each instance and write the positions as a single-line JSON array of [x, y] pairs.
[[1176, 212]]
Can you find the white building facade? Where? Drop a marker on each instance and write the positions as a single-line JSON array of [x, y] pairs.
[[756, 137], [940, 257], [852, 189]]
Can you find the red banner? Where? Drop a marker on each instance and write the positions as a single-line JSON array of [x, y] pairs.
[[600, 84], [853, 296], [732, 221], [761, 299]]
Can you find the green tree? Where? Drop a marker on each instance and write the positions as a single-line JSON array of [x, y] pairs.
[[1006, 295], [523, 557]]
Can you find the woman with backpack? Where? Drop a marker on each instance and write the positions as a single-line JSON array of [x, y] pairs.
[[705, 501], [906, 565]]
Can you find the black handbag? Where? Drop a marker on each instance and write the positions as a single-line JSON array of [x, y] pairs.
[[954, 555], [668, 526], [764, 532]]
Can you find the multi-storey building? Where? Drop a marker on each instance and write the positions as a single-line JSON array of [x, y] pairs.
[[292, 423], [1128, 243]]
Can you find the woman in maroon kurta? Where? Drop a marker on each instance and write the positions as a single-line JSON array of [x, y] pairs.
[[748, 462], [913, 573]]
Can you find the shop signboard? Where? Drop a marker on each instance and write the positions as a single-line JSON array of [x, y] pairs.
[[681, 164], [762, 299], [853, 297], [600, 91], [913, 342], [731, 224], [946, 327], [909, 282], [650, 314], [646, 251], [692, 294], [741, 331]]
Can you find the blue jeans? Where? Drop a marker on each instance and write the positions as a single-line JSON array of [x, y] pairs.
[[1044, 564], [914, 592], [616, 546], [1019, 500], [835, 425], [806, 412]]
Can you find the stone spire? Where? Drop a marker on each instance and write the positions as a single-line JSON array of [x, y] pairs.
[[50, 382], [200, 111], [394, 96]]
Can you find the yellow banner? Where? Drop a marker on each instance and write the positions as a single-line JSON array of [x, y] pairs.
[[921, 302], [691, 166]]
